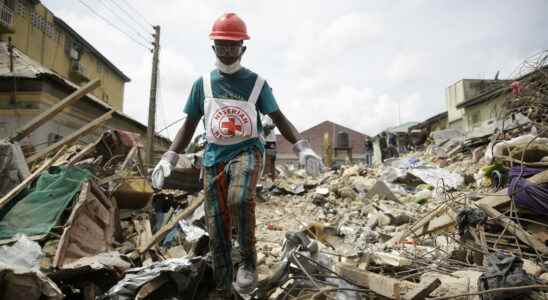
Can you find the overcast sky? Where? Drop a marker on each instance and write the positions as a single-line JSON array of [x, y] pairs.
[[351, 62]]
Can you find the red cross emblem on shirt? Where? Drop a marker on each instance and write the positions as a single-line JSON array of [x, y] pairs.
[[231, 126]]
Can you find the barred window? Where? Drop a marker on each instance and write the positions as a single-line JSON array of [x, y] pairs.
[[20, 8], [42, 23], [49, 29], [34, 19]]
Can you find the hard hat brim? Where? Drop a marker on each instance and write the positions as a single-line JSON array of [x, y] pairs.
[[228, 37]]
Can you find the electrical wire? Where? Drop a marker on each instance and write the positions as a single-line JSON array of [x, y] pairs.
[[137, 11], [131, 17], [114, 25], [173, 123], [129, 26]]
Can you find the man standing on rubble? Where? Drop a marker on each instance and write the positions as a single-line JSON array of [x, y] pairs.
[[230, 99]]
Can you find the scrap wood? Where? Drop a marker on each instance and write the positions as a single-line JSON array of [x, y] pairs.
[[434, 221], [539, 178], [423, 290], [91, 227], [495, 200], [158, 236], [5, 200], [414, 229], [54, 110], [514, 228], [72, 137], [389, 259], [382, 285], [83, 152], [128, 158]]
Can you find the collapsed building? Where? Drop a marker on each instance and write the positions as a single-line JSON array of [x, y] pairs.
[[463, 216], [459, 218]]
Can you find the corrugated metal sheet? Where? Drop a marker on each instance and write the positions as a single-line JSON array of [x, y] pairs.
[[23, 66]]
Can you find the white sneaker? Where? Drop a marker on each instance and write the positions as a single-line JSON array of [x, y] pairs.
[[246, 279]]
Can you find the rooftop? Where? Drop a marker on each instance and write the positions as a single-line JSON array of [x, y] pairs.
[[26, 67]]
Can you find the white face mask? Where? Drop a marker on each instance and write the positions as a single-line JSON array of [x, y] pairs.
[[228, 69]]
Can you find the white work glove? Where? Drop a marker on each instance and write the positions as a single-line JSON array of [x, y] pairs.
[[164, 168], [308, 158]]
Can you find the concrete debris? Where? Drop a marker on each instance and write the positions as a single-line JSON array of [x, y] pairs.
[[453, 215]]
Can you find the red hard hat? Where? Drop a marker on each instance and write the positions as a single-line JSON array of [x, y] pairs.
[[229, 27]]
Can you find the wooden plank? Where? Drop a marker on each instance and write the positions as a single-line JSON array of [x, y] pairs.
[[439, 223], [83, 152], [434, 222], [422, 290], [417, 227], [141, 223], [128, 159], [514, 228], [158, 236], [495, 200], [72, 137], [539, 178], [379, 284], [5, 200], [47, 115]]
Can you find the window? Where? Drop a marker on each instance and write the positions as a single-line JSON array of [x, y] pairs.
[[9, 4], [475, 118], [73, 48], [34, 19], [20, 8], [43, 25]]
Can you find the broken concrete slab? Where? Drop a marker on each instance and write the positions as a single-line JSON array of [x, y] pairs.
[[381, 189]]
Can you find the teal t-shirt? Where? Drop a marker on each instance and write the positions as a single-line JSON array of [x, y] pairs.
[[237, 86]]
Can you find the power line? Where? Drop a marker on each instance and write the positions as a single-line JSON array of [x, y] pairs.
[[116, 15], [137, 32], [135, 10], [130, 16], [114, 26]]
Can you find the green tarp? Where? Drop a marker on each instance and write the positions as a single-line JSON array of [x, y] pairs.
[[40, 210]]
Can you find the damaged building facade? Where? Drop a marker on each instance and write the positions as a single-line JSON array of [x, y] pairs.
[[42, 60]]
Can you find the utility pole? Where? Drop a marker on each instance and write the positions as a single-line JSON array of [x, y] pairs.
[[152, 101]]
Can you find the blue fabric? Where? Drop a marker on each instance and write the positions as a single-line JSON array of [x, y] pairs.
[[525, 193], [237, 86]]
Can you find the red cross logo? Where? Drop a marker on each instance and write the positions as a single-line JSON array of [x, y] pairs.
[[231, 126]]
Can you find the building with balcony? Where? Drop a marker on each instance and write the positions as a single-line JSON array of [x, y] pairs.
[[42, 60], [47, 39]]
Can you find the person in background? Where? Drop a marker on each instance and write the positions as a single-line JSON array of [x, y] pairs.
[[368, 152]]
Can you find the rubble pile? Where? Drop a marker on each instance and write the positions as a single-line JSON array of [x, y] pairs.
[[408, 223], [421, 226], [461, 217]]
